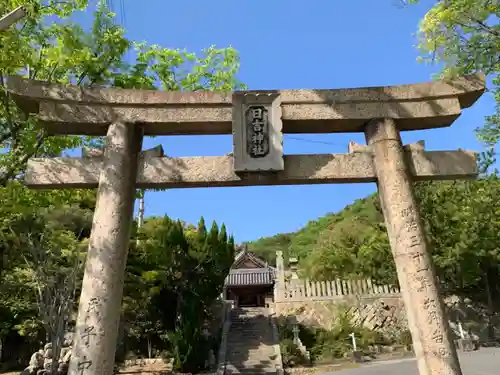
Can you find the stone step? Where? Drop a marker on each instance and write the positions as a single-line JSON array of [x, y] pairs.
[[250, 350], [250, 369], [264, 338], [250, 339], [255, 361], [244, 362], [253, 336], [268, 355], [250, 325], [264, 328], [249, 366], [247, 343], [247, 319], [244, 354], [252, 372], [253, 354], [250, 330], [270, 370]]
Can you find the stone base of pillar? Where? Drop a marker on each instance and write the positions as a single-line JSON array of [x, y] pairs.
[[465, 345]]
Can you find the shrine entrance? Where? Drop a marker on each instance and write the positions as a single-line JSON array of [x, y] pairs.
[[256, 296], [257, 121], [250, 282]]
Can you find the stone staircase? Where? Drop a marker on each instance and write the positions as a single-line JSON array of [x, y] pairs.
[[251, 346]]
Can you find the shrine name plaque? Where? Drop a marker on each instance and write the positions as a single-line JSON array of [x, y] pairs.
[[257, 132]]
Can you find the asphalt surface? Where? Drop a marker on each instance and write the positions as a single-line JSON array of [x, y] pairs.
[[485, 361]]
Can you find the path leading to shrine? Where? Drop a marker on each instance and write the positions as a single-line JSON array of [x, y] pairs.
[[483, 362]]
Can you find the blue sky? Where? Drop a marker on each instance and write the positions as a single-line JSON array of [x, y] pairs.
[[290, 44]]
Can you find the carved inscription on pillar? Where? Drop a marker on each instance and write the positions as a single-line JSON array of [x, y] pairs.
[[411, 246], [84, 365], [410, 234], [257, 137], [90, 334]]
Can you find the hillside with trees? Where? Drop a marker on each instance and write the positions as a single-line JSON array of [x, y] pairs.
[[463, 225], [462, 218]]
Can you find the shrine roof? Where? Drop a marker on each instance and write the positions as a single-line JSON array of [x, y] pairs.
[[250, 276], [247, 256]]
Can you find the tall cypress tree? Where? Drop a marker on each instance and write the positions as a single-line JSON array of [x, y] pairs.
[[223, 234], [202, 229]]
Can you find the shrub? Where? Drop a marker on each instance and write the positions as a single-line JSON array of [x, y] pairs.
[[291, 354], [404, 338]]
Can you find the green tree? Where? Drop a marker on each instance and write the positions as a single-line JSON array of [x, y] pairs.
[[44, 247], [185, 272], [463, 227], [266, 247], [49, 47], [464, 36]]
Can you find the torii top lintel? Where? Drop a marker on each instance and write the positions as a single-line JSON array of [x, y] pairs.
[[66, 109]]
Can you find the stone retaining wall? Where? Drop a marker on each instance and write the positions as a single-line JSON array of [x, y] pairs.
[[373, 312]]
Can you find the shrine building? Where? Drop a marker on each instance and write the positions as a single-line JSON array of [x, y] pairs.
[[250, 281]]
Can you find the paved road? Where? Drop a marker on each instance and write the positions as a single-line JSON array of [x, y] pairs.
[[485, 361]]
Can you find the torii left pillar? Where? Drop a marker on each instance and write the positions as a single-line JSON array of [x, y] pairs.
[[94, 345]]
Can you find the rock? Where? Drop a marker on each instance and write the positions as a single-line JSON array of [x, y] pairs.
[[62, 369], [48, 353], [63, 353], [47, 364], [68, 339], [67, 356], [30, 370], [36, 360], [41, 361]]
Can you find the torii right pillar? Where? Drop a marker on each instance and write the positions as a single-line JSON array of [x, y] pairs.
[[431, 333]]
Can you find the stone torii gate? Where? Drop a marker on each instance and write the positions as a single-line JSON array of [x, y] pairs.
[[257, 120]]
